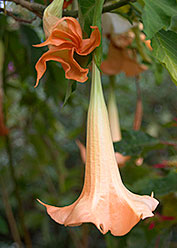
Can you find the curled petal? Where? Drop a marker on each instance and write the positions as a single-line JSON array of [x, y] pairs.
[[88, 45], [71, 27], [69, 64], [65, 39], [120, 60]]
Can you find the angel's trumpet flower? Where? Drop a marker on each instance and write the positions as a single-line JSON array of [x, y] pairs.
[[104, 200], [64, 41], [114, 117], [115, 131], [115, 126]]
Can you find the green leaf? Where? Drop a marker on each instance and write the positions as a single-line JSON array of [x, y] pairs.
[[29, 38], [173, 26], [71, 87], [164, 46], [90, 15], [134, 142], [4, 228], [161, 186], [157, 15]]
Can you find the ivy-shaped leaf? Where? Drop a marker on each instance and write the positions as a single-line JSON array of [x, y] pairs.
[[164, 46], [157, 15]]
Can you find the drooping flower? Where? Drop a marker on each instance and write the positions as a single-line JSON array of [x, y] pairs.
[[115, 24], [115, 126], [114, 117], [104, 200], [121, 58], [64, 41]]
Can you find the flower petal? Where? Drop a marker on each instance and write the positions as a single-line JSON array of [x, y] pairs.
[[88, 45], [71, 26], [65, 57], [119, 60]]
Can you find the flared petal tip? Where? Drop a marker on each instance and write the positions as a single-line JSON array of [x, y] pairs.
[[153, 203], [37, 83], [40, 45], [42, 203]]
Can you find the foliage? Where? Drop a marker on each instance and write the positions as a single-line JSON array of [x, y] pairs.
[[157, 15], [164, 44], [134, 142]]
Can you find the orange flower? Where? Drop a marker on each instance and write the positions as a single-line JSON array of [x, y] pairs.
[[121, 59], [104, 199], [64, 40]]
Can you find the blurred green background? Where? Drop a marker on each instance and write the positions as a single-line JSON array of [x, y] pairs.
[[39, 157]]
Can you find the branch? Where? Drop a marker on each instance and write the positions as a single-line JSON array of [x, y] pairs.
[[113, 6], [38, 9], [18, 19]]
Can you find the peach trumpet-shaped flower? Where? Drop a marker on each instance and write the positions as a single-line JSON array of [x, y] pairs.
[[121, 160], [115, 126], [115, 131], [64, 41], [114, 117], [104, 200]]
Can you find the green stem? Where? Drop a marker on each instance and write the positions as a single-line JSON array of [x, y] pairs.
[[140, 46], [38, 9], [114, 6]]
